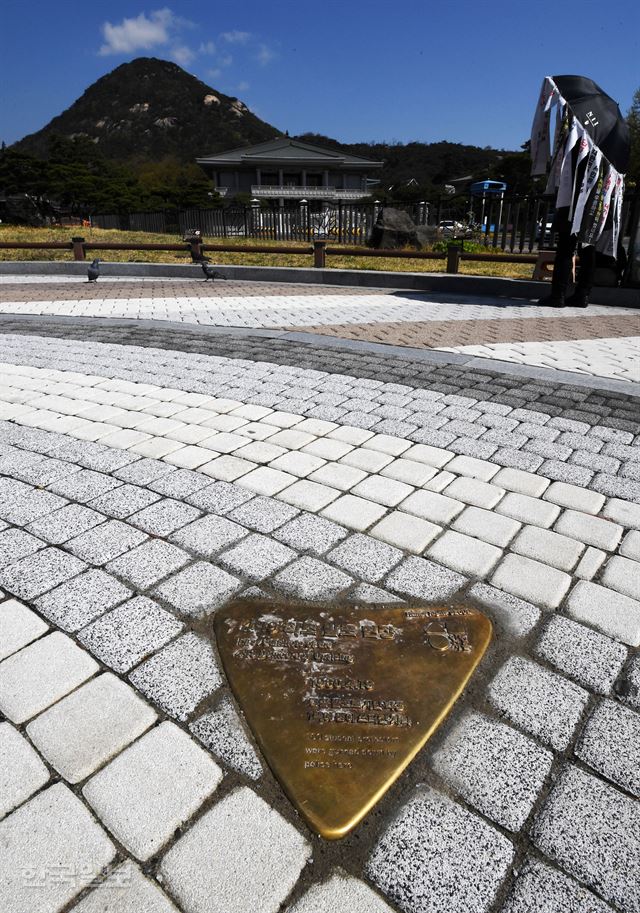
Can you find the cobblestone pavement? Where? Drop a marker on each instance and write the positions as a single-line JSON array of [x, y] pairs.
[[148, 475], [601, 341]]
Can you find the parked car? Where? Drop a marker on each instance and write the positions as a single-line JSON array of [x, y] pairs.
[[449, 227]]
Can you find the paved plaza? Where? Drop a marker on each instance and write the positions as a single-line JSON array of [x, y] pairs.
[[167, 445]]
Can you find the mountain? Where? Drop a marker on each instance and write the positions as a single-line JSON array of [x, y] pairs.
[[150, 109]]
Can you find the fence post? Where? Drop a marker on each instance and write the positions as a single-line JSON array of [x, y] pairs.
[[453, 258], [78, 248], [319, 254], [195, 244]]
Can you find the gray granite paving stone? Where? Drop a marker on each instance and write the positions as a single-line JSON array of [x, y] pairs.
[[74, 604], [424, 579], [616, 487], [50, 836], [84, 486], [198, 590], [108, 459], [105, 542], [590, 658], [628, 687], [152, 788], [65, 523], [16, 544], [126, 635], [209, 535], [22, 772], [29, 506], [179, 676], [542, 703], [180, 483], [593, 831], [44, 471], [39, 572], [148, 563], [308, 578], [145, 471], [610, 744], [223, 734], [124, 501], [365, 558], [257, 557], [436, 857], [219, 498], [240, 855], [541, 889], [164, 517], [494, 767], [126, 890], [263, 515], [308, 533]]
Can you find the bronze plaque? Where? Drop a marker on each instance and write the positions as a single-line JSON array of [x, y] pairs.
[[341, 699]]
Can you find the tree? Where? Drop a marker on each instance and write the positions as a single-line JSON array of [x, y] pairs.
[[633, 119]]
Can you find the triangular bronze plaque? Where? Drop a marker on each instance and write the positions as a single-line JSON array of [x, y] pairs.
[[342, 698]]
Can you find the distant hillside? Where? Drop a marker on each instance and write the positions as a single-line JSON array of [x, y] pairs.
[[150, 109]]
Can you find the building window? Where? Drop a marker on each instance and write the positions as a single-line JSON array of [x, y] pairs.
[[292, 179], [269, 179]]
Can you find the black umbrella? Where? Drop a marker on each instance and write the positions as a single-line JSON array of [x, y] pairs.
[[600, 115]]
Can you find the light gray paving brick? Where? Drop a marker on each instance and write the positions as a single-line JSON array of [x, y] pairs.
[[164, 517], [41, 674], [432, 438], [628, 687], [566, 472], [16, 544], [623, 575], [580, 442], [610, 744], [179, 676], [198, 589], [107, 459], [569, 424], [590, 658], [595, 461], [311, 579], [435, 850], [623, 512], [152, 788], [630, 545], [263, 515], [39, 572], [44, 471], [208, 535], [179, 483], [542, 703], [106, 541], [495, 768], [472, 467], [605, 433], [129, 633], [74, 604], [622, 452], [593, 831], [19, 626], [62, 525], [90, 726], [405, 531], [223, 734], [373, 595], [590, 563], [528, 510], [630, 471], [474, 449], [532, 581], [474, 492], [257, 557], [512, 615], [308, 533], [433, 506], [219, 498], [608, 611], [550, 450], [534, 416], [124, 890], [365, 558], [145, 471], [22, 772], [240, 855], [53, 831], [572, 496], [84, 486], [124, 501], [424, 579], [148, 563], [540, 887], [486, 525], [616, 487], [517, 459], [550, 548], [29, 506], [465, 554], [340, 892]]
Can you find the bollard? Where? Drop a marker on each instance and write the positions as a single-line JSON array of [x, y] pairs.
[[78, 248], [195, 245], [453, 258], [319, 254]]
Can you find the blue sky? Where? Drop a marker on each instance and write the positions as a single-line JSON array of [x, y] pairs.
[[463, 71]]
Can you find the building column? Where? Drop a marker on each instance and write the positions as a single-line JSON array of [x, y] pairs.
[[280, 177], [325, 178], [259, 177]]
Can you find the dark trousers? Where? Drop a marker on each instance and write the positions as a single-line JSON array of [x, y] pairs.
[[565, 249]]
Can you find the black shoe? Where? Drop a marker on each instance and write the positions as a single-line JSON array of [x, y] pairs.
[[579, 299], [554, 300]]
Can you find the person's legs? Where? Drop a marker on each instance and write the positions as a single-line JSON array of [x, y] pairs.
[[584, 280], [562, 266]]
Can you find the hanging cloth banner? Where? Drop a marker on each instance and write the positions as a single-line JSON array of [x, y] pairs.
[[593, 190]]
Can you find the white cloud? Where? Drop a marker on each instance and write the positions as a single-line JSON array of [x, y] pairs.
[[207, 47], [213, 74], [265, 55], [236, 37], [243, 86], [225, 61], [141, 33], [182, 55]]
